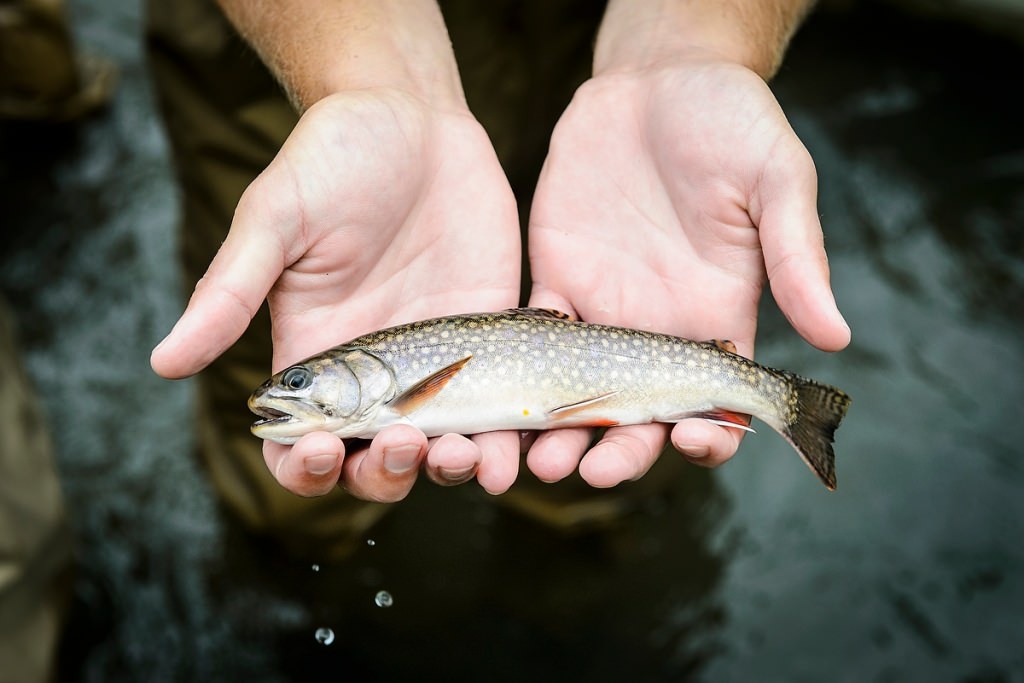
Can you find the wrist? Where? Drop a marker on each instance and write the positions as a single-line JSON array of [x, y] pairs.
[[317, 48], [403, 48], [750, 33]]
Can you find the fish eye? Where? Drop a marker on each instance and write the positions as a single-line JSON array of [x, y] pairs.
[[297, 378]]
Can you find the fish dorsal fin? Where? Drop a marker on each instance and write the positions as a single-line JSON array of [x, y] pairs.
[[722, 345], [571, 411], [416, 396], [549, 313]]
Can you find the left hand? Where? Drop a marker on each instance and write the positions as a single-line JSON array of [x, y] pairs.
[[669, 193]]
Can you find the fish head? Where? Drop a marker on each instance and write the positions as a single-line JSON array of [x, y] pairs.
[[340, 391]]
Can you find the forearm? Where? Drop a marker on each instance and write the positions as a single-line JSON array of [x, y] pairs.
[[638, 33], [320, 47]]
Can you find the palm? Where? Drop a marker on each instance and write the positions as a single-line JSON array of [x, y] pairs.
[[647, 225], [389, 214]]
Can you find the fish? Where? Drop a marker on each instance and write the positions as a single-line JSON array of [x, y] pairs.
[[529, 369]]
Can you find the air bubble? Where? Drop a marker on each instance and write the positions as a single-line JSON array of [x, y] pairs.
[[324, 635], [383, 599]]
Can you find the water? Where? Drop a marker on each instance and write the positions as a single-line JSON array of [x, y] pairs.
[[911, 571]]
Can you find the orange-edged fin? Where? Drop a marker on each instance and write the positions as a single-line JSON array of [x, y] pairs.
[[722, 345], [599, 422], [727, 418], [570, 410], [552, 313], [418, 394]]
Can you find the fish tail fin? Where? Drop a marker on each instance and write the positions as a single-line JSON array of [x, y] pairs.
[[811, 428]]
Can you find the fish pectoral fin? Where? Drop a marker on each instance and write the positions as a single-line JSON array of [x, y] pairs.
[[551, 313], [418, 394], [573, 410], [722, 345]]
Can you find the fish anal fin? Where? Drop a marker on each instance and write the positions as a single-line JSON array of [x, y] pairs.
[[572, 411], [416, 396], [550, 313], [727, 418]]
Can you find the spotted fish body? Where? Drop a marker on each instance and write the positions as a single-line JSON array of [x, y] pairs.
[[533, 369]]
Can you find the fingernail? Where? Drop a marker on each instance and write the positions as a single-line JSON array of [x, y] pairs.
[[319, 465], [401, 459], [458, 475], [694, 452]]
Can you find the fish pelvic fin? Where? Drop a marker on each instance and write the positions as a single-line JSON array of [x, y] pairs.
[[819, 410], [572, 412], [416, 396]]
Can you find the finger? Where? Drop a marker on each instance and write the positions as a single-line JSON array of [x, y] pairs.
[[385, 471], [499, 465], [556, 453], [542, 297], [452, 459], [705, 444], [785, 211], [309, 468], [227, 297], [623, 454]]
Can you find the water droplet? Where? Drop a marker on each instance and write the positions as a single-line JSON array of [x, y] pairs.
[[316, 567], [324, 635], [383, 599], [370, 542]]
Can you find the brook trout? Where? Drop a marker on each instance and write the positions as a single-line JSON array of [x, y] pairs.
[[535, 369]]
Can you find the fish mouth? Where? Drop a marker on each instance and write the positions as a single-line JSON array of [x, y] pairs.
[[269, 416], [281, 419], [274, 413]]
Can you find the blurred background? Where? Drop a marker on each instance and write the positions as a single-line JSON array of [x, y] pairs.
[[913, 570]]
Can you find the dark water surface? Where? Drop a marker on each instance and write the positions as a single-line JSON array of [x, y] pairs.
[[912, 571]]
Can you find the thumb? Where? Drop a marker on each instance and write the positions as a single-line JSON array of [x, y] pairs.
[[226, 298], [794, 252]]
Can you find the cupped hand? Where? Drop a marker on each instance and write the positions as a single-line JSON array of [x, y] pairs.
[[667, 197], [377, 210]]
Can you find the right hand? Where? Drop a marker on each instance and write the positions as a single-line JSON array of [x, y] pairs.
[[377, 210], [646, 216]]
